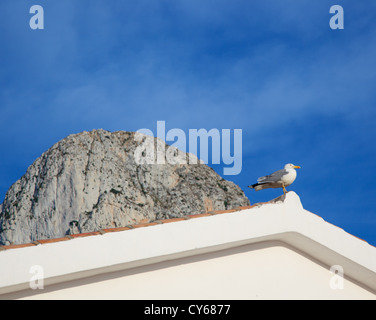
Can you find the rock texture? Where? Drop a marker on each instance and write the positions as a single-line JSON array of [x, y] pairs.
[[89, 181]]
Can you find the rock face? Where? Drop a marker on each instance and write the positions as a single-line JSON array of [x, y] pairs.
[[89, 181]]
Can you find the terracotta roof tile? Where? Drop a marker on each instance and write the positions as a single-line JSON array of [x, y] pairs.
[[114, 229], [172, 220], [17, 246], [360, 239], [247, 207], [199, 215], [141, 225], [44, 241], [223, 211], [87, 234]]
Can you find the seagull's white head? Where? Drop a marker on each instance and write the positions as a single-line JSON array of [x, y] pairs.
[[291, 166]]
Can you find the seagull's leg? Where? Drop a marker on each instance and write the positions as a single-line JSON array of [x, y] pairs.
[[284, 189]]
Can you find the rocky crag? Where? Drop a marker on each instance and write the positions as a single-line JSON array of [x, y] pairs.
[[89, 181]]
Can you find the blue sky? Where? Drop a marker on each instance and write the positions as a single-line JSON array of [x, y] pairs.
[[301, 92]]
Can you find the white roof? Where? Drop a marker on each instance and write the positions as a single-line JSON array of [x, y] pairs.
[[107, 251]]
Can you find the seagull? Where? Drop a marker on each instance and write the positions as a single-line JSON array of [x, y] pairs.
[[279, 179]]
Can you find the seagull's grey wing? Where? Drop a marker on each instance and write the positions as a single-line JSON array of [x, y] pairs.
[[274, 177]]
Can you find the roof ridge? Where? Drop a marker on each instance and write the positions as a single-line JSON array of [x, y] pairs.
[[128, 227]]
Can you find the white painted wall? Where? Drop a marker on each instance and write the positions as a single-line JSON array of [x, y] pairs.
[[268, 270]]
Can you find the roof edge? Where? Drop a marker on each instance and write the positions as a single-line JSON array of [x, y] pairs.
[[127, 227], [287, 222]]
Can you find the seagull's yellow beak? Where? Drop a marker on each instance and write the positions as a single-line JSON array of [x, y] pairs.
[[297, 167]]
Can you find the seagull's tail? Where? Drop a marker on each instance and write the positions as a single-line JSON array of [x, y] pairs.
[[256, 186]]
